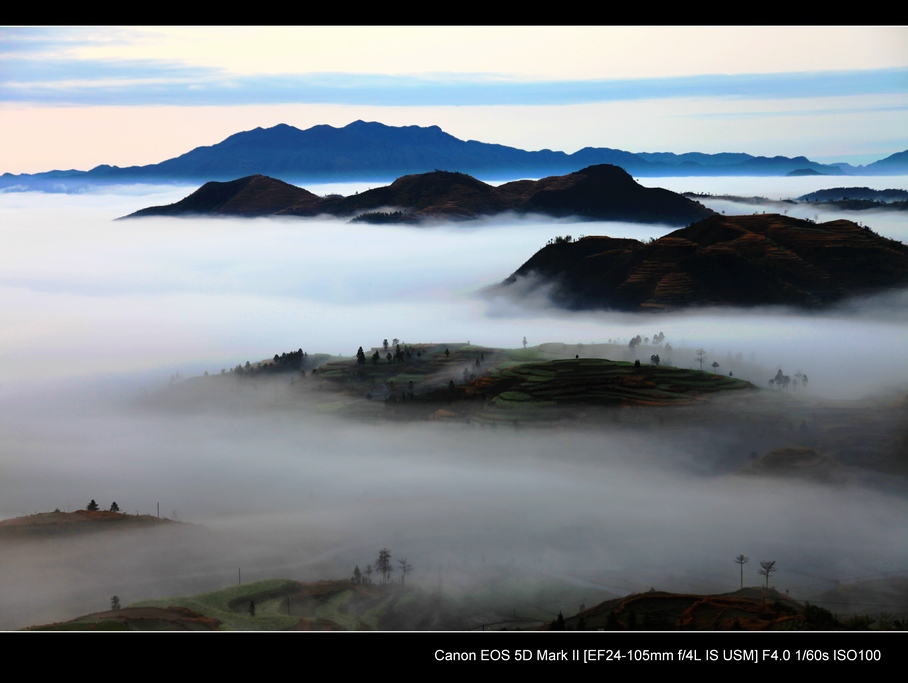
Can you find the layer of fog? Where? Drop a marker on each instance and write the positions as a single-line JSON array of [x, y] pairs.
[[97, 312], [307, 497], [84, 295]]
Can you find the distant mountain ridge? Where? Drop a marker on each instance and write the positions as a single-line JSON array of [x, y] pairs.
[[374, 151], [600, 192], [754, 260]]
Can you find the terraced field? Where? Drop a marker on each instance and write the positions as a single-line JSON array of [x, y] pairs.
[[599, 382]]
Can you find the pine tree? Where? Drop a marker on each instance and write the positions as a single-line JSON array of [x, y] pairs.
[[92, 506], [383, 564]]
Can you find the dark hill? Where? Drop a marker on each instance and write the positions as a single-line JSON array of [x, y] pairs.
[[750, 609], [606, 192], [63, 524], [734, 260], [597, 193], [254, 195], [435, 194], [837, 194]]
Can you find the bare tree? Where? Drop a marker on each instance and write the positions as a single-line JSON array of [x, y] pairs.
[[742, 560], [766, 569]]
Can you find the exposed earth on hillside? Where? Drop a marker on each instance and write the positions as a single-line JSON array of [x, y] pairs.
[[758, 260]]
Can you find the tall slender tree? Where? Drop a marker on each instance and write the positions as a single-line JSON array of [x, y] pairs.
[[766, 569], [742, 560]]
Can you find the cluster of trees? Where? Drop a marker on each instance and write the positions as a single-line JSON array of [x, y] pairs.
[[293, 361], [566, 239], [636, 341], [782, 381], [94, 507], [379, 217], [383, 567], [400, 355]]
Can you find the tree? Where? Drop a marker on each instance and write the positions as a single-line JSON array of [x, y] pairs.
[[742, 560], [383, 564], [405, 568], [115, 602], [357, 575], [114, 507], [384, 344], [524, 342], [361, 356], [767, 569], [92, 506]]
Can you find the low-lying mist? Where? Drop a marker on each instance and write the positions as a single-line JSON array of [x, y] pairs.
[[98, 315]]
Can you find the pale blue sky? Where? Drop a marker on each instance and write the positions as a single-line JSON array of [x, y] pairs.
[[78, 97]]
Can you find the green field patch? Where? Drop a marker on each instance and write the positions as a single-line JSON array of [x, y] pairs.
[[341, 611], [332, 407], [514, 396], [539, 372], [532, 379], [405, 377], [230, 606]]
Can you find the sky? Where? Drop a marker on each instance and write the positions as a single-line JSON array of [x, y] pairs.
[[76, 97]]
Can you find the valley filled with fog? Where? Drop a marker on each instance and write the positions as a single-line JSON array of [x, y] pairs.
[[99, 314]]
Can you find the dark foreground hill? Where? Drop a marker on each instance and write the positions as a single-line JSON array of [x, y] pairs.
[[720, 261], [597, 192], [284, 605], [749, 609]]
